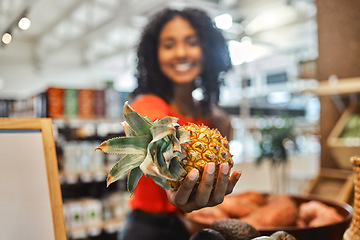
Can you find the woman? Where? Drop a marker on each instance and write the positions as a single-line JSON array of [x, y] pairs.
[[178, 52]]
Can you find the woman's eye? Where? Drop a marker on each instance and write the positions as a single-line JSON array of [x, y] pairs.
[[167, 45], [193, 42]]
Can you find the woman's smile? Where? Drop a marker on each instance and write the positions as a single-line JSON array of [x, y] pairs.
[[183, 67]]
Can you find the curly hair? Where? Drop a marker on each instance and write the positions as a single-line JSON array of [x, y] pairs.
[[216, 59]]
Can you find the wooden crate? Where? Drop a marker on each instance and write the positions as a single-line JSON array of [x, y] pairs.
[[333, 184], [342, 149]]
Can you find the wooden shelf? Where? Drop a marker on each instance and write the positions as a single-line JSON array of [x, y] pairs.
[[339, 87]]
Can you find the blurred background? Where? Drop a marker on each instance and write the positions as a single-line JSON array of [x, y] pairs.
[[86, 43], [293, 86]]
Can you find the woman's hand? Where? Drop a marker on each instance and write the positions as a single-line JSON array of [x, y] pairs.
[[204, 196]]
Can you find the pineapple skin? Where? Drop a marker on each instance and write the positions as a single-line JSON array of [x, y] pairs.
[[205, 145]]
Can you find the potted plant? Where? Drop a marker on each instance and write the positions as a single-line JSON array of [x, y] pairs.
[[275, 143]]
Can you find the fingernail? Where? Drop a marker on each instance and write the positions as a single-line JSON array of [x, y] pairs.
[[210, 168], [238, 175], [193, 174], [225, 168]]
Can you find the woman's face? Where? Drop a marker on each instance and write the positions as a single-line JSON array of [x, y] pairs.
[[179, 51]]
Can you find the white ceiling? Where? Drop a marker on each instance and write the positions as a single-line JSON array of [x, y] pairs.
[[87, 42]]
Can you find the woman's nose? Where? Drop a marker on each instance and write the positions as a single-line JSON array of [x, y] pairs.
[[180, 50]]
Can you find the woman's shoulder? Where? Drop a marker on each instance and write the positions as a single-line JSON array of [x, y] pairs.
[[149, 101], [151, 106], [148, 98]]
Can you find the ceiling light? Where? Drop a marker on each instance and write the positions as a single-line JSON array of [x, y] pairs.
[[271, 19], [245, 51], [223, 21], [6, 38], [24, 23]]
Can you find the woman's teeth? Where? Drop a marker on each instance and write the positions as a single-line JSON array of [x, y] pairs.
[[183, 66]]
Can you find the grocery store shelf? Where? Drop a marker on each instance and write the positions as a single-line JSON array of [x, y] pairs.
[[109, 226], [336, 86], [82, 176]]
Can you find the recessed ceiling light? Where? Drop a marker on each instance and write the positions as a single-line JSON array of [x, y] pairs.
[[24, 23], [6, 38]]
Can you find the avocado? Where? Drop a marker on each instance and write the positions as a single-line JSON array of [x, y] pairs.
[[235, 229], [207, 234], [282, 235]]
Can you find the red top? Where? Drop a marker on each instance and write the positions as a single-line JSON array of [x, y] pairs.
[[148, 196]]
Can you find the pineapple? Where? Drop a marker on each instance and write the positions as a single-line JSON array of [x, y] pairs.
[[204, 145], [163, 150]]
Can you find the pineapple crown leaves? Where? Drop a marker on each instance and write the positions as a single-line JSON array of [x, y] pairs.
[[150, 148]]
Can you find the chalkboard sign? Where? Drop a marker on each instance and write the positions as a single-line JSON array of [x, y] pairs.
[[30, 194]]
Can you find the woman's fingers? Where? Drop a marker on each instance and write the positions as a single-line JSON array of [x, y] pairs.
[[232, 181], [205, 187], [221, 184], [182, 195], [205, 195]]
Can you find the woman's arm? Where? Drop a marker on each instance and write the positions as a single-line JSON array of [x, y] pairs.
[[222, 121]]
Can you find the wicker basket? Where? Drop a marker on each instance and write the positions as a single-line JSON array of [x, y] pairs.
[[342, 149], [353, 232]]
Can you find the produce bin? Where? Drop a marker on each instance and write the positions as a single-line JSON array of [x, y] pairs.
[[344, 139]]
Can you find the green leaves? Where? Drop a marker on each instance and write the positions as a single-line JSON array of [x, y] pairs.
[[123, 166], [126, 145], [160, 156], [140, 125], [133, 178], [150, 148]]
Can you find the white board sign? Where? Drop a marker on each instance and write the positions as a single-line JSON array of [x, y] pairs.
[[30, 195]]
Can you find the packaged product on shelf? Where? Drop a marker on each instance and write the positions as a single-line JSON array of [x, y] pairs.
[[76, 214], [71, 102], [4, 108], [97, 165], [85, 157], [86, 216], [115, 209], [71, 162], [93, 216], [67, 214], [99, 103], [80, 162], [113, 106], [40, 105], [91, 164], [55, 107], [85, 103]]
